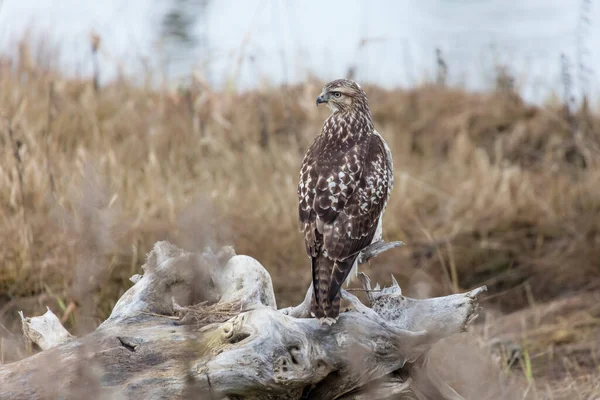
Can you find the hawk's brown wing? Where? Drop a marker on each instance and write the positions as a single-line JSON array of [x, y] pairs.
[[355, 226], [342, 193]]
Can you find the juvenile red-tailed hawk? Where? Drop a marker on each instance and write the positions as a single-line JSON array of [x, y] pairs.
[[345, 182]]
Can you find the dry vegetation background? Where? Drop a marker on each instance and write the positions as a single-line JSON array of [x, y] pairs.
[[489, 190]]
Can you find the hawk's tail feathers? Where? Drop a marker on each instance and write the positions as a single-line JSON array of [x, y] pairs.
[[328, 278], [353, 273], [321, 270], [340, 272]]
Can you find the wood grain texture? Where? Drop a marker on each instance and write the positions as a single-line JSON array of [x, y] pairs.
[[145, 351]]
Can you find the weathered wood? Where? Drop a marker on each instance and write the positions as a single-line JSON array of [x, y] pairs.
[[46, 330], [236, 344], [376, 249]]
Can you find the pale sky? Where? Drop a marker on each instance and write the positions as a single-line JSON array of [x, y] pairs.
[[284, 40]]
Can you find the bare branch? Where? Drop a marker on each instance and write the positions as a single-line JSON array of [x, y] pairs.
[[46, 331], [376, 249]]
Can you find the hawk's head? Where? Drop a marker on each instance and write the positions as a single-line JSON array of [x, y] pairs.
[[344, 95]]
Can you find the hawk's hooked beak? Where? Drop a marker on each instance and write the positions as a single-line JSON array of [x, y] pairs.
[[322, 99]]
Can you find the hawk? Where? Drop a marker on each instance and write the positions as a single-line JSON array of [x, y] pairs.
[[346, 179]]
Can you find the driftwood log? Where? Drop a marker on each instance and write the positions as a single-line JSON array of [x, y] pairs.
[[206, 326]]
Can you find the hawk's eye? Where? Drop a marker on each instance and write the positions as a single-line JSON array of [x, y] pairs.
[[337, 94]]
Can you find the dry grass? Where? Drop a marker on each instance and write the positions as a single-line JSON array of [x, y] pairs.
[[202, 314], [489, 190]]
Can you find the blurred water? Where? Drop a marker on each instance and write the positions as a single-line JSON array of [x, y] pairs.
[[250, 41]]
